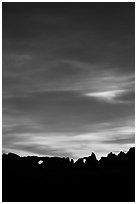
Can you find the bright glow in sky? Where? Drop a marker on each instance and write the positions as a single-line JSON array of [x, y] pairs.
[[107, 95]]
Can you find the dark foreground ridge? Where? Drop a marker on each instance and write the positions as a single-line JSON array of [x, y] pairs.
[[111, 179]]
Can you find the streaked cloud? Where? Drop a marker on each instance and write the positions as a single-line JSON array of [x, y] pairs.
[[114, 96], [99, 137], [109, 96]]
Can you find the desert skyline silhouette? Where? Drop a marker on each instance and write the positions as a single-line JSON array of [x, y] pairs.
[[56, 179]]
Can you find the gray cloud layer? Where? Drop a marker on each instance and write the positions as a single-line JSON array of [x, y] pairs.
[[68, 78]]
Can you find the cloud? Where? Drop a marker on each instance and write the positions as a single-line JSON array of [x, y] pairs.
[[41, 75], [130, 140], [108, 96], [114, 96], [37, 150], [65, 83], [64, 111], [99, 137]]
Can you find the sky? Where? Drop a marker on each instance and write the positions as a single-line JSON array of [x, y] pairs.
[[68, 78]]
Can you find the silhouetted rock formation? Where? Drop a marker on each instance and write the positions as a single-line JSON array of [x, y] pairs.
[[112, 178], [91, 161]]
